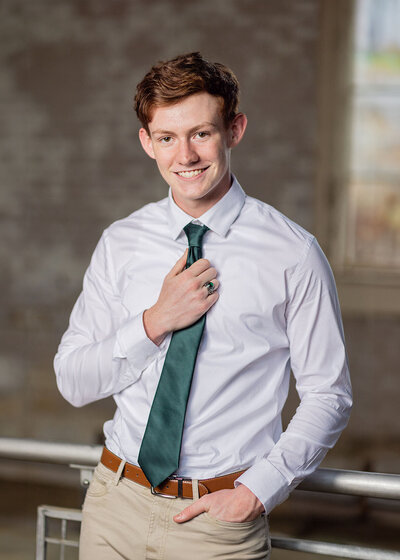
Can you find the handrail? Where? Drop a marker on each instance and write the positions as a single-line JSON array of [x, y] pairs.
[[337, 481], [49, 451], [354, 483], [333, 549]]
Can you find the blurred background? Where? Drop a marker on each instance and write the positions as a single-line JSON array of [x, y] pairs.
[[321, 87]]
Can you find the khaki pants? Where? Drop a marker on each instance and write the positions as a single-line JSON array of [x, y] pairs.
[[123, 520]]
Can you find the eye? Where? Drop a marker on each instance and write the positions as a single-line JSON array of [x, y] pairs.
[[165, 139], [202, 135]]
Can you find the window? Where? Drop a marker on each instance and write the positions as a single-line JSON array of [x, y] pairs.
[[358, 195], [373, 227]]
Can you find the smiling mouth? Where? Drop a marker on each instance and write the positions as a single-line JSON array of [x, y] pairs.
[[190, 174]]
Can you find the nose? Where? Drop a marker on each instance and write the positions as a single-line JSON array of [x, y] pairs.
[[187, 154]]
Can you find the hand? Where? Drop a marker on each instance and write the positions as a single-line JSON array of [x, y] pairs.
[[183, 299], [235, 506]]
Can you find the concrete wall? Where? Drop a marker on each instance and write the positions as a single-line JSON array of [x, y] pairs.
[[71, 164]]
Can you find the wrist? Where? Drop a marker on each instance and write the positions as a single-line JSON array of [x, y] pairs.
[[153, 327], [256, 505]]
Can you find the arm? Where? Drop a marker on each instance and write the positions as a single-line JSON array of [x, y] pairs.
[[104, 349], [319, 364]]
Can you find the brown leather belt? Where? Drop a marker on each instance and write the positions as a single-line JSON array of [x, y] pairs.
[[175, 487]]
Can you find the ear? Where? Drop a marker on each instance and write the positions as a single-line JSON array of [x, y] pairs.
[[236, 129], [147, 143]]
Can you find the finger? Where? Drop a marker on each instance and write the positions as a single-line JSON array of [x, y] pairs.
[[210, 300], [199, 266], [215, 286], [208, 275], [191, 511], [179, 266]]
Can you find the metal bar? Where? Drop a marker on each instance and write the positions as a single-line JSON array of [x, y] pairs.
[[331, 549], [56, 512], [49, 452], [63, 538], [355, 483], [65, 542], [40, 533]]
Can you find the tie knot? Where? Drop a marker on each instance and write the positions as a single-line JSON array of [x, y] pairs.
[[195, 234]]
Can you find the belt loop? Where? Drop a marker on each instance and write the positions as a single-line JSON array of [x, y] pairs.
[[118, 474], [195, 489]]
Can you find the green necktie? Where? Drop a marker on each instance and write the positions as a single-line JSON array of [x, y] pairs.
[[161, 444]]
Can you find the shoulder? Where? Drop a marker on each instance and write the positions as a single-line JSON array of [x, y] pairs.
[[271, 223], [150, 216], [121, 240], [290, 246], [150, 213]]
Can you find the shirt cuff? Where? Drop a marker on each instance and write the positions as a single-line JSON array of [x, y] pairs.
[[267, 483], [133, 344]]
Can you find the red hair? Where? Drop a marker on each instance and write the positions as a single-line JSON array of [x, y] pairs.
[[170, 81]]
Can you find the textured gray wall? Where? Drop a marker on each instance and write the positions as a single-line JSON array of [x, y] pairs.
[[71, 164]]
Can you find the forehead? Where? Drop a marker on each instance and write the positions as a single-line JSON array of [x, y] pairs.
[[187, 113]]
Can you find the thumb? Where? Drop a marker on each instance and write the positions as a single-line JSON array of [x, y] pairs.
[[191, 511], [179, 266]]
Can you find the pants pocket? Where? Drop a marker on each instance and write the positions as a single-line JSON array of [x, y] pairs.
[[249, 539], [231, 524], [100, 483]]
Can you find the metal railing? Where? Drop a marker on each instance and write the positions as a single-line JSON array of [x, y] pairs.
[[347, 482], [63, 540]]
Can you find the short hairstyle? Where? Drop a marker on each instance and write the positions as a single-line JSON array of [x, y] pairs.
[[170, 81]]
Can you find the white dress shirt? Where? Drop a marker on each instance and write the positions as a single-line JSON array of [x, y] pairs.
[[277, 310]]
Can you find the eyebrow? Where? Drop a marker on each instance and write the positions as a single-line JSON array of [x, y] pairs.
[[205, 124]]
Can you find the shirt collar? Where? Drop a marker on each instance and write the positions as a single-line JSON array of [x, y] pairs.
[[218, 218]]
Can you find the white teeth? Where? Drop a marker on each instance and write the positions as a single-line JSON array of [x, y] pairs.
[[189, 174]]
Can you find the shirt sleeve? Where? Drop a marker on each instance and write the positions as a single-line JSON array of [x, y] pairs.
[[104, 349], [319, 364]]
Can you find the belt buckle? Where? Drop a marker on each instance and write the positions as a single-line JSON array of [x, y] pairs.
[[153, 491], [179, 480]]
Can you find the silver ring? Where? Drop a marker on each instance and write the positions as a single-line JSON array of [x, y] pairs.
[[210, 287]]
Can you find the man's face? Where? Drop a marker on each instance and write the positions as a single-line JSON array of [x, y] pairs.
[[191, 146]]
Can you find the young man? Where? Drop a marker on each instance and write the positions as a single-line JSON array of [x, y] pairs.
[[262, 301]]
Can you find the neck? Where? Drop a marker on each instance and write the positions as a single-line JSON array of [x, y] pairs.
[[196, 208]]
